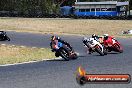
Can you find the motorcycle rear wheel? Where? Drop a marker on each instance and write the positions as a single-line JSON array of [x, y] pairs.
[[98, 50]]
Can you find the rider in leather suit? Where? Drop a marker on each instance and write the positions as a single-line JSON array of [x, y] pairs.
[[54, 43]]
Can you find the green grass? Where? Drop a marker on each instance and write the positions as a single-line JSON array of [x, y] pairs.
[[16, 54]]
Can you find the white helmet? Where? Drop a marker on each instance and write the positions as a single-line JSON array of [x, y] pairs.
[[106, 36]]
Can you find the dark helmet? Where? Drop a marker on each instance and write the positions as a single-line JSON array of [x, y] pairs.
[[53, 38], [93, 35], [106, 36]]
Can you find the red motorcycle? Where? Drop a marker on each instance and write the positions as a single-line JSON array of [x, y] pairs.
[[115, 46]]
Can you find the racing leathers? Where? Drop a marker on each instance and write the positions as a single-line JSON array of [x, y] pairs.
[[108, 41], [85, 41], [54, 44]]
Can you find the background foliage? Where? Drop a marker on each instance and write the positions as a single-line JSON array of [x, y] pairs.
[[30, 7]]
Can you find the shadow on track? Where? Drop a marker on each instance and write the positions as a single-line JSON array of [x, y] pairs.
[[113, 53], [57, 60], [61, 59], [108, 53]]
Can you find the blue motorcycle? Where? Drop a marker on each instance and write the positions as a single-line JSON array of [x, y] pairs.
[[65, 52]]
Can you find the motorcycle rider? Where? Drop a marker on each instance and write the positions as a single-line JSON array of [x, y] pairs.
[[54, 43], [108, 41], [95, 37], [85, 41], [98, 38]]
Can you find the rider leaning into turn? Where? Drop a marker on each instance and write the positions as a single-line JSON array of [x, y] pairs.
[[98, 38], [108, 40], [95, 37], [54, 43]]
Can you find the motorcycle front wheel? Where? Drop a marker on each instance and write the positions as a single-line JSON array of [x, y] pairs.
[[118, 48], [64, 54]]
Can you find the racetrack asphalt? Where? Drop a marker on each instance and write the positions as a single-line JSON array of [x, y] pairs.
[[59, 73]]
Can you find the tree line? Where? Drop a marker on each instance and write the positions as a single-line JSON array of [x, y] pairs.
[[30, 6]]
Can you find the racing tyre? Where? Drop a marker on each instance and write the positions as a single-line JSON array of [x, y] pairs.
[[105, 51], [98, 50], [119, 48], [64, 54]]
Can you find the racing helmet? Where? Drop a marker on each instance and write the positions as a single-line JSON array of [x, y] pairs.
[[53, 38], [106, 36], [93, 35]]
